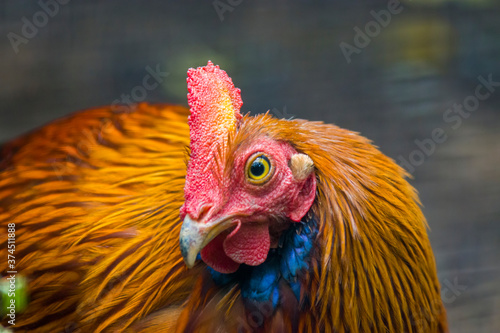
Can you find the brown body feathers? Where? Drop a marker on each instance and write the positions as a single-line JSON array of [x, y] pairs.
[[95, 198]]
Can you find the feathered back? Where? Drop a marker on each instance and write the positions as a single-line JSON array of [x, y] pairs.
[[372, 267], [95, 198]]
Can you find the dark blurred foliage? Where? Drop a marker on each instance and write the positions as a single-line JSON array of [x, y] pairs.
[[287, 57]]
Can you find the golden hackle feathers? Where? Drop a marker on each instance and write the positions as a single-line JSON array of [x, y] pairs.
[[377, 270]]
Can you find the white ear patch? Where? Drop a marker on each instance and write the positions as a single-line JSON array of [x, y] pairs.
[[301, 166]]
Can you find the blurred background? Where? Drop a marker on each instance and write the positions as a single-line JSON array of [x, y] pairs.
[[419, 78]]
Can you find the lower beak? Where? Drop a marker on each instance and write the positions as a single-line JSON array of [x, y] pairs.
[[196, 235]]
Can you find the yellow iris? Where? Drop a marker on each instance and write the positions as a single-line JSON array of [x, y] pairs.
[[258, 168]]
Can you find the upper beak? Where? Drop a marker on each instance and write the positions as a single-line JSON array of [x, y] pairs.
[[196, 235]]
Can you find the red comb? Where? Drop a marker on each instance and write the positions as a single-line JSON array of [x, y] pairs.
[[215, 109]]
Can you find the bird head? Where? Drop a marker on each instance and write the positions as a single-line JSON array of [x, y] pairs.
[[243, 188]]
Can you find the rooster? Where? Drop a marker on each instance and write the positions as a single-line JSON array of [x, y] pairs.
[[284, 225]]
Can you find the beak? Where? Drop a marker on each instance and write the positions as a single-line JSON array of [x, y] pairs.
[[196, 235]]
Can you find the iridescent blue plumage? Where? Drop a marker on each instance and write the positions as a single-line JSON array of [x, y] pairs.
[[221, 279], [261, 283], [296, 249]]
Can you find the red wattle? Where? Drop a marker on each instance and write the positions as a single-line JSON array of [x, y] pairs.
[[214, 256], [248, 244]]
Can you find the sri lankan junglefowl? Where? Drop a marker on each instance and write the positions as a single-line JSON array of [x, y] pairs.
[[156, 218]]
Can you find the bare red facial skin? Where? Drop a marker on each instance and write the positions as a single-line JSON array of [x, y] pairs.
[[257, 208]]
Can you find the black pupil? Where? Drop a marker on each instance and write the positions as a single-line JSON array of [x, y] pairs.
[[257, 168]]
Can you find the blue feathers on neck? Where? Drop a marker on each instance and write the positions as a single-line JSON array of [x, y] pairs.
[[285, 263]]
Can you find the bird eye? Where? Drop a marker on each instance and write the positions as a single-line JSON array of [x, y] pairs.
[[258, 169]]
